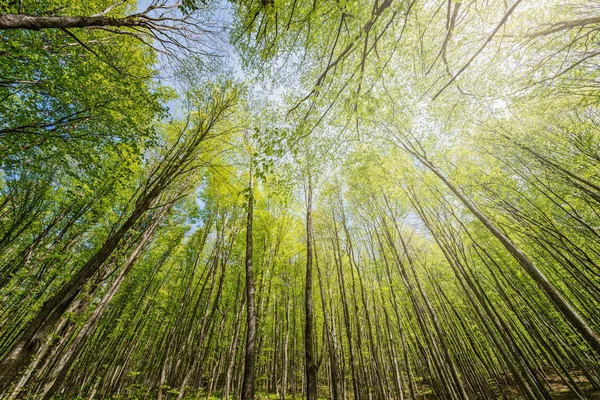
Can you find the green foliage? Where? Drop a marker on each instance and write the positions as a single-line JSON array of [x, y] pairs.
[[424, 140]]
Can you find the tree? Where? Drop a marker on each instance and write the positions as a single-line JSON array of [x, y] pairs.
[[432, 166], [250, 357], [172, 170]]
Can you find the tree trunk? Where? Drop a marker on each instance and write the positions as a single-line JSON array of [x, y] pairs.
[[250, 358], [34, 22], [311, 367]]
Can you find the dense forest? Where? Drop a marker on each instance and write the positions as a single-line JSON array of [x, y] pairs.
[[320, 199]]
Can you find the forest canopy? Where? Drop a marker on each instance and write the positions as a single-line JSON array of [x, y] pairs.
[[320, 199]]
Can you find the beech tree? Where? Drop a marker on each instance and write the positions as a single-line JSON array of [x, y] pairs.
[[299, 199]]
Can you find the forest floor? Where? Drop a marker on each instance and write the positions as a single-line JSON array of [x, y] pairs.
[[570, 395], [560, 391], [565, 394], [556, 387]]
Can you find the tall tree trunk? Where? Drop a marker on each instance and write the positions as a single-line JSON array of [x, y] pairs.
[[232, 353], [250, 358], [311, 367], [346, 313], [332, 350], [286, 340]]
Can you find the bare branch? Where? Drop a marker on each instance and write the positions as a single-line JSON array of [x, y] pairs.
[[109, 9], [483, 46], [566, 25]]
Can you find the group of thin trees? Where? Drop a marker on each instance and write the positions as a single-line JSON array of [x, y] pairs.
[[408, 227]]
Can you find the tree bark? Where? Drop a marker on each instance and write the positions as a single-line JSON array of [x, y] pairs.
[[34, 22], [311, 367], [250, 358]]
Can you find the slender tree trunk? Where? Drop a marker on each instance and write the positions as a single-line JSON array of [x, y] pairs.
[[286, 340], [332, 350], [250, 357], [346, 313], [311, 367], [233, 353]]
